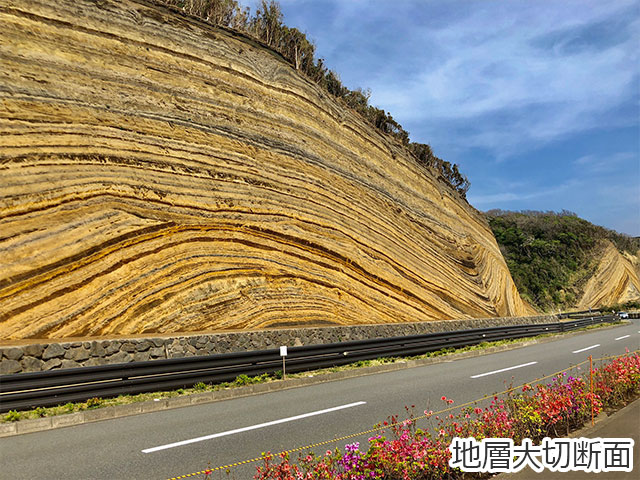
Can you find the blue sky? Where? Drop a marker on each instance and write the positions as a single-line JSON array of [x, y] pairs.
[[537, 101]]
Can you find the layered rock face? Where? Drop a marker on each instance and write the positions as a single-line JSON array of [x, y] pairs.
[[616, 280], [161, 175]]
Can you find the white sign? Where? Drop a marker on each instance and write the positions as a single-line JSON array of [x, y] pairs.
[[283, 351]]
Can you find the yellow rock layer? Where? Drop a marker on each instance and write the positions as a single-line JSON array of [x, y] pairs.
[[161, 175], [616, 280]]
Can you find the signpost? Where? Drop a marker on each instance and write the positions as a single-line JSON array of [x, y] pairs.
[[283, 353]]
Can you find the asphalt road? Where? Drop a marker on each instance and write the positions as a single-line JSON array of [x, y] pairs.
[[169, 443]]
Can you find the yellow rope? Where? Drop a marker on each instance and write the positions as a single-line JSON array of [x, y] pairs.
[[382, 427]]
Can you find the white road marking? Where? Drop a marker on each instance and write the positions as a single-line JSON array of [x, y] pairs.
[[503, 370], [252, 427], [625, 336], [588, 348]]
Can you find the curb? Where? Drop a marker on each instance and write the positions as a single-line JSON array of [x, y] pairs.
[[9, 429]]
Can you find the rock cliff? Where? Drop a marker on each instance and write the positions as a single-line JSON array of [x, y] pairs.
[[161, 175], [615, 281]]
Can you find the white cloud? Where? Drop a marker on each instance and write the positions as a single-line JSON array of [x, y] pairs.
[[506, 75], [492, 73], [523, 193], [547, 88], [598, 164]]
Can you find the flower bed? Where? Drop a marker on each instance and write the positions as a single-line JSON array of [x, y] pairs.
[[402, 451]]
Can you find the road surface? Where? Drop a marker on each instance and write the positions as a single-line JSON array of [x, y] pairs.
[[175, 442]]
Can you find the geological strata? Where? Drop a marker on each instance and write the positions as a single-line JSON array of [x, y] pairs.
[[158, 175]]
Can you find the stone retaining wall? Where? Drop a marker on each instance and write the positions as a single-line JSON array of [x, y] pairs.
[[48, 356]]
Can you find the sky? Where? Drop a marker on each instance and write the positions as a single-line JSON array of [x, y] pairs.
[[538, 102]]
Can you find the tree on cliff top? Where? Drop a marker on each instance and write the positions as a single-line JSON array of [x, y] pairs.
[[267, 23]]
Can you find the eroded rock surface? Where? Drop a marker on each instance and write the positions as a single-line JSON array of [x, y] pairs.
[[615, 281], [161, 175]]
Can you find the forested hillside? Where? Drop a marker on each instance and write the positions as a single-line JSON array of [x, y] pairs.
[[553, 256]]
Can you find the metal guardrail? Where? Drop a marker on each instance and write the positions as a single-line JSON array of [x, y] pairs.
[[55, 387], [580, 314]]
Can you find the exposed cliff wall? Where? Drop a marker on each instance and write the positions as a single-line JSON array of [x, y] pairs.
[[161, 175], [616, 280]]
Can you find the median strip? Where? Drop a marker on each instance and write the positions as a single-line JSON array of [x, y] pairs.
[[252, 427], [503, 370]]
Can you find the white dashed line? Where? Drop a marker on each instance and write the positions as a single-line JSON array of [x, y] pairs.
[[625, 336], [503, 370], [252, 427], [585, 349]]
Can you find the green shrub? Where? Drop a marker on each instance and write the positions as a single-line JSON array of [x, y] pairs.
[[94, 402], [200, 386], [242, 380], [12, 416], [40, 411]]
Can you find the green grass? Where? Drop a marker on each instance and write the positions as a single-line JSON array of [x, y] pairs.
[[243, 380]]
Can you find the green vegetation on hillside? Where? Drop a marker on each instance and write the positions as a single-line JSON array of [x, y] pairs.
[[267, 26], [551, 255], [621, 307]]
